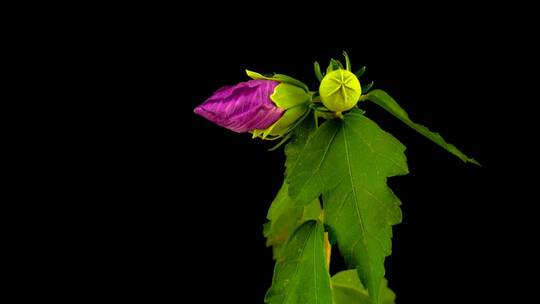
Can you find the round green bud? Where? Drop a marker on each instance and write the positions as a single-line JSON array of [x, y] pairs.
[[340, 90]]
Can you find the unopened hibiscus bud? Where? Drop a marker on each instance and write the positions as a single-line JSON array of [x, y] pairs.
[[340, 90], [264, 106]]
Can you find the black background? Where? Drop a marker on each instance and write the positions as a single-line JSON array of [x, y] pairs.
[[186, 200]]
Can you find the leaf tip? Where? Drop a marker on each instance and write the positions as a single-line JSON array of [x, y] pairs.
[[474, 161]]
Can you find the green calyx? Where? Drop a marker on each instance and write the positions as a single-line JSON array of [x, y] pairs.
[[284, 125], [280, 78], [340, 90], [290, 94]]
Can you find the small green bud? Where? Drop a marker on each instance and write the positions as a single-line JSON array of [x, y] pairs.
[[340, 90]]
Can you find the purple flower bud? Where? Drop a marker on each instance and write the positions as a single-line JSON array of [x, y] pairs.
[[244, 107]]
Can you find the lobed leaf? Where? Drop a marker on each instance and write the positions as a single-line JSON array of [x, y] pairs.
[[301, 276], [385, 101], [348, 162], [348, 289], [285, 217]]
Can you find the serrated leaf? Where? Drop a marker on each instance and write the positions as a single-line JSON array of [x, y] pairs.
[[348, 289], [318, 72], [385, 101], [312, 174], [285, 217], [312, 211], [348, 161], [280, 78], [301, 276], [296, 146]]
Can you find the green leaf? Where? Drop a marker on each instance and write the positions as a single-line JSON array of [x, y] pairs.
[[280, 78], [348, 289], [301, 276], [309, 176], [317, 68], [347, 61], [296, 146], [384, 100], [284, 215], [360, 72], [348, 161], [332, 239], [284, 218]]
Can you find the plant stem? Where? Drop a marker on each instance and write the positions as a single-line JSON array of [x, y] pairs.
[[327, 246], [327, 250]]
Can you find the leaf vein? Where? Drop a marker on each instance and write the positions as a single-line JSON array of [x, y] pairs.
[[355, 202]]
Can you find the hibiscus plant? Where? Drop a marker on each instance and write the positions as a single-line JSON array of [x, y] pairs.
[[334, 191]]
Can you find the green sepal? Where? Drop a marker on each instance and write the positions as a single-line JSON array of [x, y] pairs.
[[318, 72], [280, 78], [284, 140], [288, 96], [367, 87], [347, 61], [284, 124], [360, 72], [257, 133], [334, 65]]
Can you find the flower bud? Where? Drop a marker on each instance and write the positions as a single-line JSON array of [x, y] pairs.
[[340, 90], [263, 106], [242, 108]]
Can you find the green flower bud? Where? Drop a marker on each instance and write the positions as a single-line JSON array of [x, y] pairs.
[[340, 90]]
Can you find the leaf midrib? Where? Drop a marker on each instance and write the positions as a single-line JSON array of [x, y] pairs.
[[323, 158], [315, 267], [353, 187], [298, 263]]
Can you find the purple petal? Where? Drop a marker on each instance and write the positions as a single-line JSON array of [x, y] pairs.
[[244, 107]]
